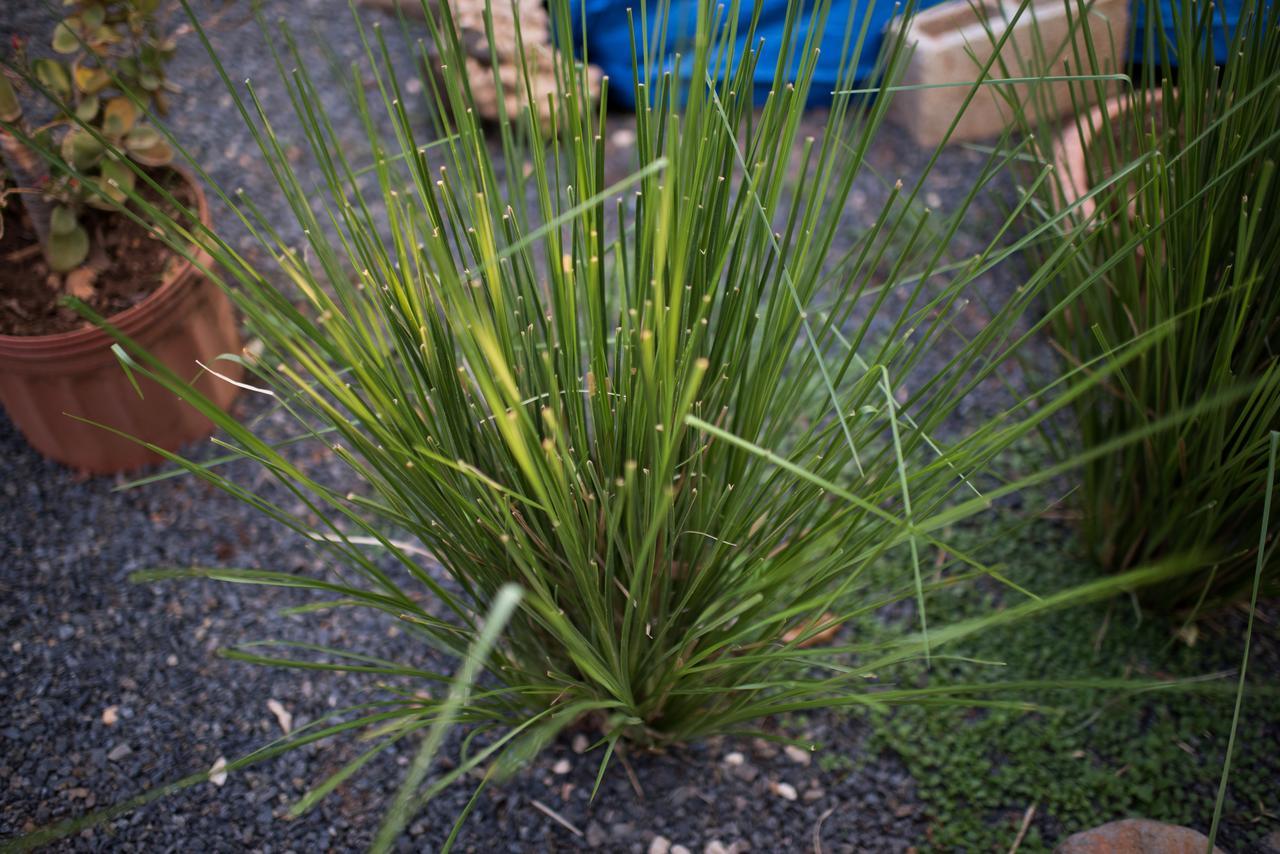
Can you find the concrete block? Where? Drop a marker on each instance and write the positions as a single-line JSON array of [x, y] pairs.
[[951, 42]]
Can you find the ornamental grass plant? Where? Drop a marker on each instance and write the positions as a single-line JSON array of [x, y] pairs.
[[663, 407], [1189, 238]]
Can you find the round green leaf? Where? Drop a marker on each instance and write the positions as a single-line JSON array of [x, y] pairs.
[[80, 148], [90, 80], [93, 16], [117, 180], [53, 76], [10, 108], [65, 39], [87, 109], [65, 252], [142, 137], [118, 117], [63, 221]]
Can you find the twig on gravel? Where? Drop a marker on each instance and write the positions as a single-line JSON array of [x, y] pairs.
[[555, 816], [817, 830], [631, 774], [1022, 831]]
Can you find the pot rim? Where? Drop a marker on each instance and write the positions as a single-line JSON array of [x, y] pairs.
[[1072, 144], [134, 320]]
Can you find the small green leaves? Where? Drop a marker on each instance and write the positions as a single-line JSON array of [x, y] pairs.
[[80, 148], [118, 117], [10, 107], [90, 79], [65, 38], [53, 75], [116, 180], [148, 147], [65, 252], [93, 16], [87, 109], [62, 221]]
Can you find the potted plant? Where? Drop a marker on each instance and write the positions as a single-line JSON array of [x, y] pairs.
[[71, 232]]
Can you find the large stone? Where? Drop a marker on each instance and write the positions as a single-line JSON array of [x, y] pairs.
[[952, 42], [1137, 836], [535, 36]]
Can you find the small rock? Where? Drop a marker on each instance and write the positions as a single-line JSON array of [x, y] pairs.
[[120, 751], [797, 754], [680, 849], [561, 767], [1136, 836], [218, 773], [747, 773], [660, 845], [715, 846], [581, 743], [734, 758], [80, 283], [283, 717], [596, 837], [764, 749], [815, 794], [110, 715], [786, 791]]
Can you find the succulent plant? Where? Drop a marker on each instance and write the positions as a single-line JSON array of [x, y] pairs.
[[108, 70]]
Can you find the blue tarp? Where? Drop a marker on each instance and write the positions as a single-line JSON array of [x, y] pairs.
[[608, 36], [1226, 16]]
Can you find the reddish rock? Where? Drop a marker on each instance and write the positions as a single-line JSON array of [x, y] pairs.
[[1137, 836]]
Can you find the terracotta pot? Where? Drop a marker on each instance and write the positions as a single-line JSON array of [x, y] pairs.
[[46, 378], [1071, 148]]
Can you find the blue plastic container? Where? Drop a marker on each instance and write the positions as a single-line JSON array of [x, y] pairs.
[[608, 36]]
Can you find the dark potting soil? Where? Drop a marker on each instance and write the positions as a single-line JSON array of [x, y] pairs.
[[126, 264]]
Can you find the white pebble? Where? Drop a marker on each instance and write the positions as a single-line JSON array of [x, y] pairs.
[[786, 791], [561, 767], [734, 758], [218, 773], [660, 845], [797, 754]]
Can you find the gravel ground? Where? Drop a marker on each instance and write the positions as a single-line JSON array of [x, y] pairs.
[[82, 640], [114, 688]]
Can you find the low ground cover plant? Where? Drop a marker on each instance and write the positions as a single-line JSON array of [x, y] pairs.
[[664, 407], [1190, 237]]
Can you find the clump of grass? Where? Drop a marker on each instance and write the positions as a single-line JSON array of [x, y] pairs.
[[624, 398], [1183, 228]]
